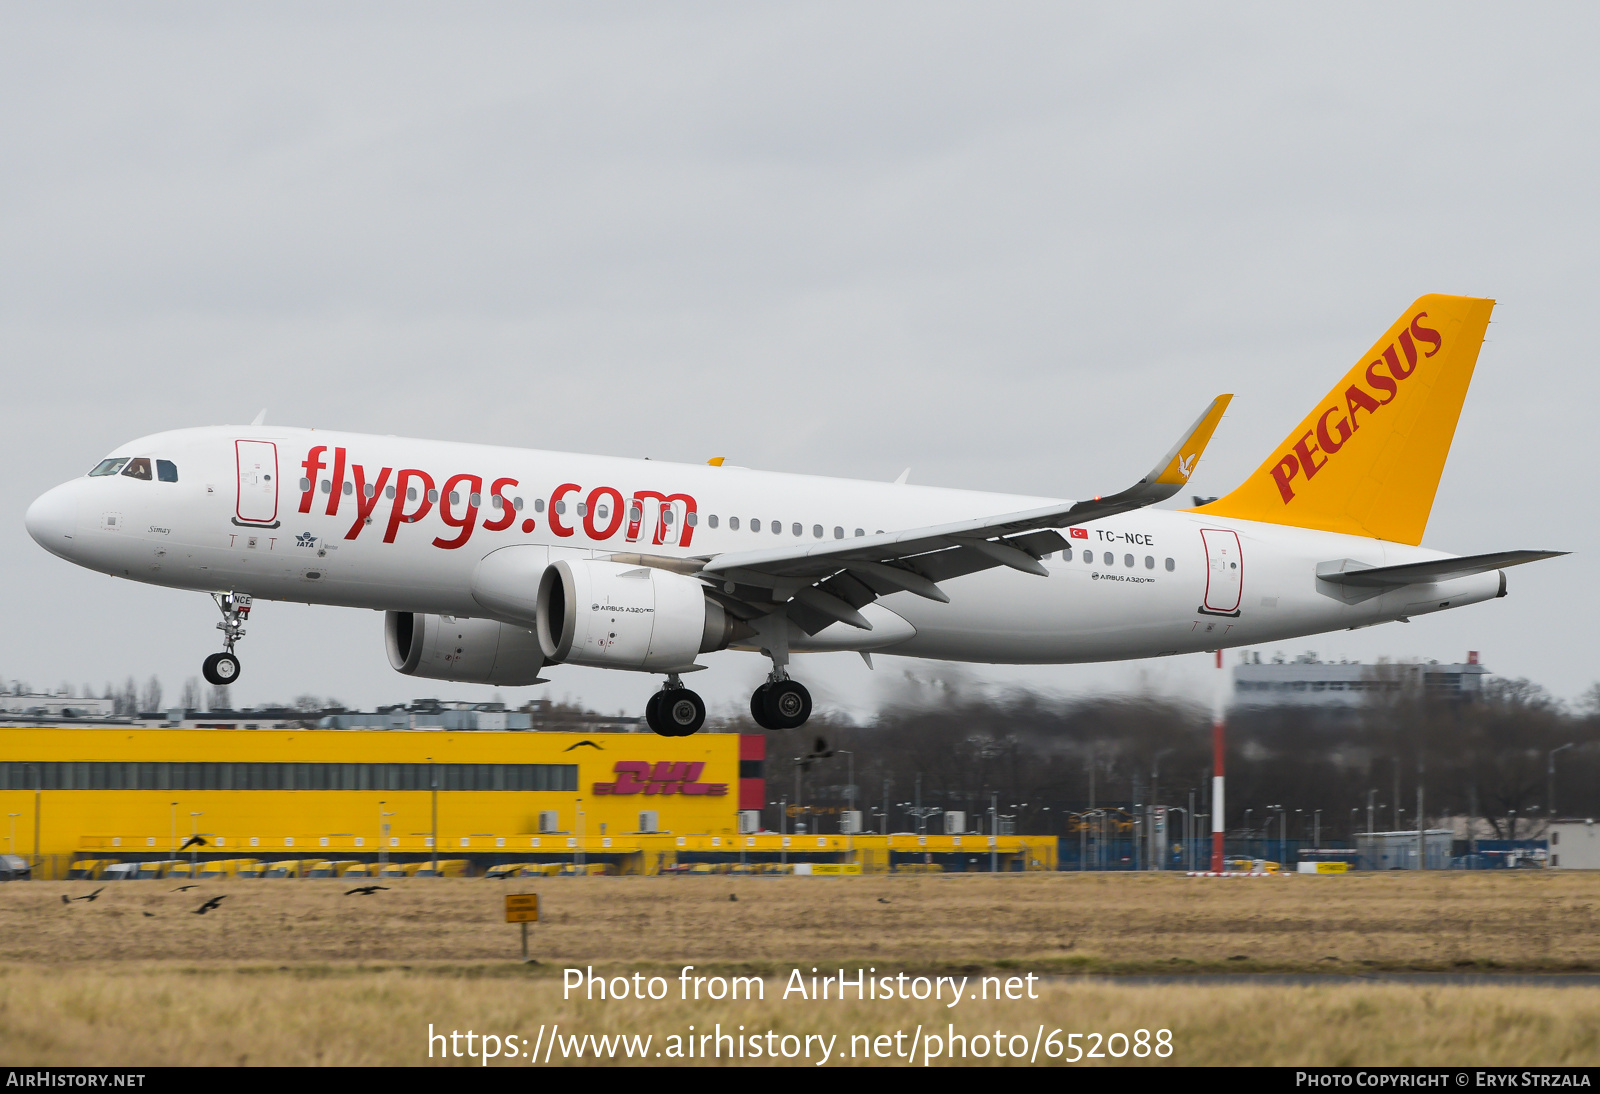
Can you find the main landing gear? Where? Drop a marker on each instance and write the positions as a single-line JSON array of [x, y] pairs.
[[223, 668], [675, 711], [780, 703]]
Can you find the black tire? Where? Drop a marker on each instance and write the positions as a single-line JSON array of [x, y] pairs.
[[787, 704], [221, 669], [758, 707], [681, 712], [652, 714]]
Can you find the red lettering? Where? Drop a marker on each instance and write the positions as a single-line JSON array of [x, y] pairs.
[[1395, 368], [1308, 456], [337, 487], [615, 518], [313, 467], [1410, 347], [1382, 382], [1343, 428], [1286, 470], [555, 513], [398, 514], [508, 512], [1355, 399], [664, 503], [365, 502], [466, 521], [1426, 334]]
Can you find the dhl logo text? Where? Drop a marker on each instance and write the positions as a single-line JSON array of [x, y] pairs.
[[1337, 424], [666, 777], [412, 494]]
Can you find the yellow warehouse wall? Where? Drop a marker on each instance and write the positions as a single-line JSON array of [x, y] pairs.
[[135, 818]]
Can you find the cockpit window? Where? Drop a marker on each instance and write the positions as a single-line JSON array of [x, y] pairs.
[[166, 471], [108, 467], [138, 468]]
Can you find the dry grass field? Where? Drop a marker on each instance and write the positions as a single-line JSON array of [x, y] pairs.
[[298, 972], [1054, 923]]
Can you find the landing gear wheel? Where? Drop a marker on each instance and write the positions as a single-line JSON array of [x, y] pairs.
[[680, 712], [758, 708], [652, 714], [786, 704], [221, 669]]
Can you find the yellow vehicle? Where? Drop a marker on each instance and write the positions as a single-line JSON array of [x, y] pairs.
[[541, 869], [744, 868], [226, 867], [149, 870], [1253, 866], [401, 869], [360, 869], [504, 870], [87, 869], [183, 870], [335, 868], [289, 867], [776, 868], [448, 867], [588, 869], [251, 868]]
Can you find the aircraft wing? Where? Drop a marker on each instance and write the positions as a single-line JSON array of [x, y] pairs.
[[824, 583], [1349, 572]]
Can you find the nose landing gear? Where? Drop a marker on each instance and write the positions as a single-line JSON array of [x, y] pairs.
[[675, 711], [223, 668]]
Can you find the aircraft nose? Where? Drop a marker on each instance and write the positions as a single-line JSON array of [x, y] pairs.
[[52, 519]]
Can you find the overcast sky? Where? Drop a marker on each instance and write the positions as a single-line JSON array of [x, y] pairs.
[[1015, 247]]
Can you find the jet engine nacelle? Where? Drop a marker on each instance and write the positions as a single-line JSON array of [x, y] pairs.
[[474, 651], [616, 616]]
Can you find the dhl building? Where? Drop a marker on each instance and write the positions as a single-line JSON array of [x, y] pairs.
[[630, 802]]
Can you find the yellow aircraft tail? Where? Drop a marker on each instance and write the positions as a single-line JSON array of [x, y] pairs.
[[1367, 460]]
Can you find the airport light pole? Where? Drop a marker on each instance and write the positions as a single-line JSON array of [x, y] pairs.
[[174, 851], [433, 786], [994, 832], [38, 799], [11, 840], [1218, 810], [1550, 784], [850, 796], [194, 841], [383, 838], [783, 829]]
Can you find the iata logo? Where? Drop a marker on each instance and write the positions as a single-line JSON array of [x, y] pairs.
[[666, 777], [1336, 424]]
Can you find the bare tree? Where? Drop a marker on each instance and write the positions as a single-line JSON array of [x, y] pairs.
[[191, 693], [151, 700], [220, 699]]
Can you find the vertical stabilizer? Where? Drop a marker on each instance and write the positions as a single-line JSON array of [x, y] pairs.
[[1367, 460]]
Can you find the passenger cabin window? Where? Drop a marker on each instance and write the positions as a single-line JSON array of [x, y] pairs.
[[108, 467], [733, 523], [138, 468]]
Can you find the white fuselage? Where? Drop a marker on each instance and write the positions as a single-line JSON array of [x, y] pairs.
[[240, 517]]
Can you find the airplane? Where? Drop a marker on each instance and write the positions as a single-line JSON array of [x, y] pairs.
[[494, 564]]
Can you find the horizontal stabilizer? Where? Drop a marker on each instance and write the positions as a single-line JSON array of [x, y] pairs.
[[1349, 572]]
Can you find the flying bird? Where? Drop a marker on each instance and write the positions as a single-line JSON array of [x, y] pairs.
[[148, 915], [94, 894], [193, 841], [210, 904], [184, 888], [367, 890], [883, 900], [733, 896], [65, 899]]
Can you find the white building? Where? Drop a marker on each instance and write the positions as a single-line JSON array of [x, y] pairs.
[[1306, 681], [1574, 845]]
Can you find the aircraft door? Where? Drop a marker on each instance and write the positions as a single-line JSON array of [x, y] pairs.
[[258, 483], [1224, 572]]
